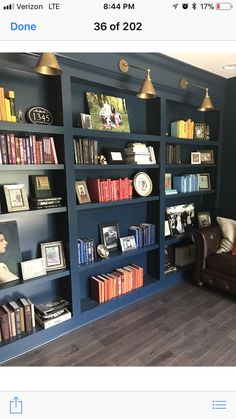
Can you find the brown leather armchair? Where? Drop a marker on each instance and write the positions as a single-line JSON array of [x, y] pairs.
[[215, 269]]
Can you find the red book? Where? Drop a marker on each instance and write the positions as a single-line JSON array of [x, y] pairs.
[[94, 189], [96, 289]]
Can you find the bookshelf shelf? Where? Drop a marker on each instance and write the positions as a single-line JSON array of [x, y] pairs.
[[25, 128], [190, 166], [30, 167], [80, 132], [186, 194], [117, 257], [13, 215], [107, 167], [132, 201], [195, 143]]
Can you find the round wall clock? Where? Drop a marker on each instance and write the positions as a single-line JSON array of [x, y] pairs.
[[142, 184]]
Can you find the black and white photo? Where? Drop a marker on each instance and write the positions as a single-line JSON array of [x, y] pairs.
[[181, 218]]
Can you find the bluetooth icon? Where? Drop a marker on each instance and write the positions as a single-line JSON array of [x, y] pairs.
[[194, 6]]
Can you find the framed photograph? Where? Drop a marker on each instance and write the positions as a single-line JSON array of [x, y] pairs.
[[82, 192], [142, 184], [115, 156], [195, 157], [181, 218], [110, 235], [86, 121], [10, 256], [16, 198], [33, 268], [40, 187], [204, 181], [167, 228], [53, 255], [128, 243], [168, 181], [108, 112], [207, 156], [204, 219], [199, 132]]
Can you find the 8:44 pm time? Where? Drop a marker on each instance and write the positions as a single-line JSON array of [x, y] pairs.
[[124, 6]]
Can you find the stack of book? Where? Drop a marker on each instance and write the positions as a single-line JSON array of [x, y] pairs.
[[139, 153], [27, 150], [86, 250], [7, 105], [104, 190], [16, 317], [43, 203], [145, 234], [182, 129], [116, 283], [52, 312], [173, 154], [85, 151]]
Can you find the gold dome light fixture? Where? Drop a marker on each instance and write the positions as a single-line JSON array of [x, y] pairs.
[[147, 90], [48, 65], [206, 104]]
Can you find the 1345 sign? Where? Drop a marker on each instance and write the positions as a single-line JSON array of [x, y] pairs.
[[38, 115]]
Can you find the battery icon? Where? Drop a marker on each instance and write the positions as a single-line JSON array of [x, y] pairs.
[[224, 6]]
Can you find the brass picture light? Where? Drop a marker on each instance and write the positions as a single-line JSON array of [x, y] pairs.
[[147, 90], [48, 65], [206, 104]]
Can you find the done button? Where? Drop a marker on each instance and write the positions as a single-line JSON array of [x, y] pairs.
[[23, 26]]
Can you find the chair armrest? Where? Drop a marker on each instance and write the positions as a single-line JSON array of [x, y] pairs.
[[207, 242]]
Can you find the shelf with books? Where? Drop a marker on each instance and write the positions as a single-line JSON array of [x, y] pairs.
[[186, 194], [30, 167], [107, 167], [118, 256]]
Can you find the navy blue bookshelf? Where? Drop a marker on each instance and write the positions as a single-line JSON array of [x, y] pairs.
[[150, 122]]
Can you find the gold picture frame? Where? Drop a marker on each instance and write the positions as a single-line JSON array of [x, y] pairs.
[[143, 184], [82, 192], [207, 157], [204, 182], [53, 254], [16, 197], [204, 219]]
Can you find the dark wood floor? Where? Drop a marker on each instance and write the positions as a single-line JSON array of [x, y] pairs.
[[185, 326]]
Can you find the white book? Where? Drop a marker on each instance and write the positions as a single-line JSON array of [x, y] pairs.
[[53, 322]]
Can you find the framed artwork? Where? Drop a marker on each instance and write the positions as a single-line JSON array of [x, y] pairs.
[[142, 184], [195, 157], [168, 180], [128, 243], [10, 256], [108, 112], [53, 255], [16, 198], [204, 219], [33, 268], [40, 187], [207, 156], [82, 192], [181, 218], [110, 235], [115, 156], [86, 121], [199, 132], [204, 182]]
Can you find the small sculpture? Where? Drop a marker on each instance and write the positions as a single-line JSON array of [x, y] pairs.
[[102, 159], [19, 116]]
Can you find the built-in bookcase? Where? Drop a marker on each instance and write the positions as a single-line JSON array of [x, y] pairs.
[[150, 123]]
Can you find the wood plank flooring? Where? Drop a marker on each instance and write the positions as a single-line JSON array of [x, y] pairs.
[[183, 326]]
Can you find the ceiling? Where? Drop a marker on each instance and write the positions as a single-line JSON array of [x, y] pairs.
[[212, 62]]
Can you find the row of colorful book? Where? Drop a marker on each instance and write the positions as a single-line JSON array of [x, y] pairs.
[[182, 129], [187, 183], [104, 190], [27, 150], [85, 151], [7, 105], [16, 317], [52, 312], [144, 233], [86, 250], [105, 287]]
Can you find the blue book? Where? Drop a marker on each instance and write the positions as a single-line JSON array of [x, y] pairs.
[[178, 183]]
